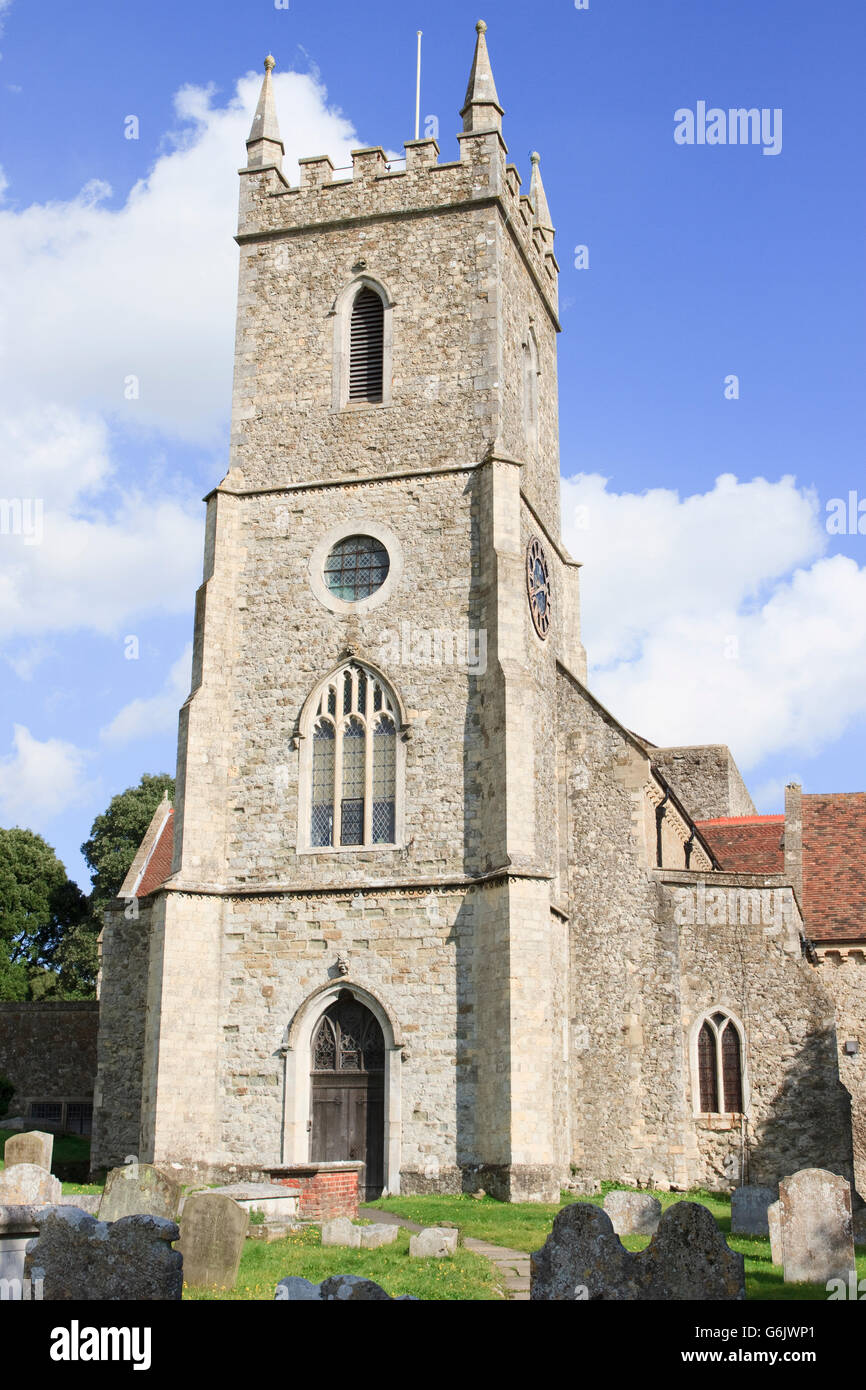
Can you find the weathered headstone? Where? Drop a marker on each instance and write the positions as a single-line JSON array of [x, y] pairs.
[[749, 1207], [434, 1242], [341, 1231], [34, 1146], [340, 1288], [213, 1229], [372, 1237], [139, 1189], [817, 1227], [78, 1257], [633, 1213], [774, 1224], [27, 1183], [583, 1259]]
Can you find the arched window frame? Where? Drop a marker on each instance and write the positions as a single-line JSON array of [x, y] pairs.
[[316, 712], [530, 372], [731, 1021], [342, 311]]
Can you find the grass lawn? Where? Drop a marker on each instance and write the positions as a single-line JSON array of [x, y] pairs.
[[461, 1277], [526, 1226]]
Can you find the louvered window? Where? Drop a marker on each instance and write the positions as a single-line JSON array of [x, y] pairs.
[[366, 347]]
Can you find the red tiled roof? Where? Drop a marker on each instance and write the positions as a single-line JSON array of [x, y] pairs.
[[746, 844], [158, 866], [834, 851]]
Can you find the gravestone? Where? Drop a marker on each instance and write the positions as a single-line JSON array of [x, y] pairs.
[[774, 1224], [749, 1207], [213, 1229], [583, 1259], [341, 1231], [817, 1227], [34, 1147], [139, 1189], [340, 1288], [633, 1213], [78, 1257], [434, 1242], [28, 1184], [372, 1237]]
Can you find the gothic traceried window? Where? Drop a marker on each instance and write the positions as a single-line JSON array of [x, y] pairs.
[[348, 1038], [720, 1066], [353, 781]]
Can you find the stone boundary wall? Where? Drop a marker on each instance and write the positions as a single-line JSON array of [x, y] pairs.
[[48, 1050]]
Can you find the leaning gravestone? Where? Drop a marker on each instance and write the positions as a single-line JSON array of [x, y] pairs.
[[434, 1242], [139, 1189], [749, 1207], [340, 1288], [213, 1229], [688, 1258], [633, 1213], [26, 1184], [77, 1257], [372, 1237], [774, 1223], [32, 1147], [817, 1228]]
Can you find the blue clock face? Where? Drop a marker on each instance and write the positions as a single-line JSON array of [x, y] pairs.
[[538, 587]]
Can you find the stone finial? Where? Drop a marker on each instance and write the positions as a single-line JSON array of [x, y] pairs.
[[264, 145], [538, 198], [481, 109]]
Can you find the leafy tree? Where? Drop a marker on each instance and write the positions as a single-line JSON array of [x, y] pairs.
[[117, 834], [40, 908]]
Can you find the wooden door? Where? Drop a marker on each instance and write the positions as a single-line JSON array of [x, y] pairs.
[[348, 1091]]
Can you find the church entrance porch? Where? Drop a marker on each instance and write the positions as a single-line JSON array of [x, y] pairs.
[[347, 1091]]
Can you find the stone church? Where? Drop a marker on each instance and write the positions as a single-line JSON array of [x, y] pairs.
[[423, 902]]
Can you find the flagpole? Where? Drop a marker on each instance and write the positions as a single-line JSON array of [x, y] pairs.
[[418, 91]]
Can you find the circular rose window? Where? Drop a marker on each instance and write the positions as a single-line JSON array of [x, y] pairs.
[[356, 567], [538, 586]]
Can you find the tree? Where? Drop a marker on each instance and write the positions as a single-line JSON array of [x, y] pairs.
[[40, 909], [116, 835]]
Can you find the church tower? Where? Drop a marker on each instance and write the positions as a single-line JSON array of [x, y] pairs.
[[361, 950]]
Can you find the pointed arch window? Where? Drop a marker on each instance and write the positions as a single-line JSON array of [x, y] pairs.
[[354, 762], [529, 365], [367, 346], [720, 1065]]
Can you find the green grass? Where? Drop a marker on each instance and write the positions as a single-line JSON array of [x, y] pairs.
[[526, 1226], [461, 1277]]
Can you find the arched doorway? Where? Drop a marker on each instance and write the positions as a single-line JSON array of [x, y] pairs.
[[347, 1090]]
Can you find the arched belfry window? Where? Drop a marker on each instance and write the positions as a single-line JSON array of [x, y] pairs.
[[366, 346], [354, 762], [362, 347], [720, 1088]]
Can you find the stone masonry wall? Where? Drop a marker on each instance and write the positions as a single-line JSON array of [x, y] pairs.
[[843, 974], [48, 1050], [120, 1050], [706, 779]]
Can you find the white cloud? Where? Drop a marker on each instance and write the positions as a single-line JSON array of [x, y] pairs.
[[156, 715], [94, 294], [716, 618], [41, 779]]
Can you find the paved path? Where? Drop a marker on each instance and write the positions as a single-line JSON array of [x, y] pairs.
[[513, 1265]]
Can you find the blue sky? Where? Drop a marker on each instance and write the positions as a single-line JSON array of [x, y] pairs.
[[712, 611]]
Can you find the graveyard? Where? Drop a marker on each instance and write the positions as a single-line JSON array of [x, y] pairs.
[[244, 1243]]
